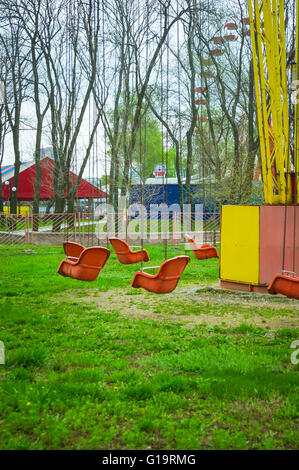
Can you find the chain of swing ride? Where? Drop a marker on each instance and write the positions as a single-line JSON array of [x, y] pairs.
[[165, 140], [68, 68], [201, 120], [165, 153], [95, 183], [180, 162], [93, 162], [165, 137], [104, 111], [284, 271], [142, 155], [201, 149]]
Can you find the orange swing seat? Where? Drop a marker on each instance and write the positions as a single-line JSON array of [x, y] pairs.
[[285, 285], [125, 255], [87, 266], [165, 280], [203, 251], [73, 250]]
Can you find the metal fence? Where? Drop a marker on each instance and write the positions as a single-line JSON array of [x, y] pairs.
[[14, 231], [27, 231]]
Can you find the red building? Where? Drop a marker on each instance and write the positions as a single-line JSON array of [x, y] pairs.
[[27, 179]]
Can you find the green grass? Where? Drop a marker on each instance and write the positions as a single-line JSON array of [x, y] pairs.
[[84, 371]]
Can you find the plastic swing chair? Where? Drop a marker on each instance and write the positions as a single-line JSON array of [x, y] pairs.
[[73, 250], [125, 255], [203, 251], [87, 266], [165, 280], [286, 285]]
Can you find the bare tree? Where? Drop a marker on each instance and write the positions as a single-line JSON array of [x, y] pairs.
[[140, 34], [15, 75], [71, 65], [230, 86], [34, 16]]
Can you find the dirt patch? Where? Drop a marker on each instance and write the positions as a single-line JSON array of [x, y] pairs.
[[191, 307]]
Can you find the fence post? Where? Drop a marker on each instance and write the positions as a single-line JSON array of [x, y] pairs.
[[107, 235], [173, 227], [79, 225], [26, 226], [82, 223], [32, 240]]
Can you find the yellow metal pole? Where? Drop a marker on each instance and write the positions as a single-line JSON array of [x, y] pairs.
[[256, 39], [269, 61]]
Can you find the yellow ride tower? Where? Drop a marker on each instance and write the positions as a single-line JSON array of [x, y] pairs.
[[256, 240]]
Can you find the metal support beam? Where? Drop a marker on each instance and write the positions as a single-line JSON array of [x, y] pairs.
[[267, 29]]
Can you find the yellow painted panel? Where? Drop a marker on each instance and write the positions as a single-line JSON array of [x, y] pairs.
[[240, 244]]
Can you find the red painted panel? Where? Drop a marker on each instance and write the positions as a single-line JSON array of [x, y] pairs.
[[271, 241]]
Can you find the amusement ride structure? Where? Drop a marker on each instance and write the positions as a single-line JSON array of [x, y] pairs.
[[260, 244]]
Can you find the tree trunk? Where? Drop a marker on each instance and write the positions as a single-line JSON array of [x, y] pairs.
[[71, 211], [178, 174], [37, 186], [59, 197], [49, 204]]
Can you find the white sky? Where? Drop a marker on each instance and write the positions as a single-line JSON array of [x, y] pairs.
[[27, 143]]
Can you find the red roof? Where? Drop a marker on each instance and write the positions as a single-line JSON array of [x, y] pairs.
[[27, 182]]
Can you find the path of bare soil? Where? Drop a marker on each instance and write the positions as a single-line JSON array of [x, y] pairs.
[[192, 306]]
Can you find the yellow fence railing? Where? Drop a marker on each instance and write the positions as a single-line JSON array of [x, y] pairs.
[[22, 211]]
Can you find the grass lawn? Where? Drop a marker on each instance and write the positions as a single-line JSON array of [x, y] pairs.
[[103, 366]]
